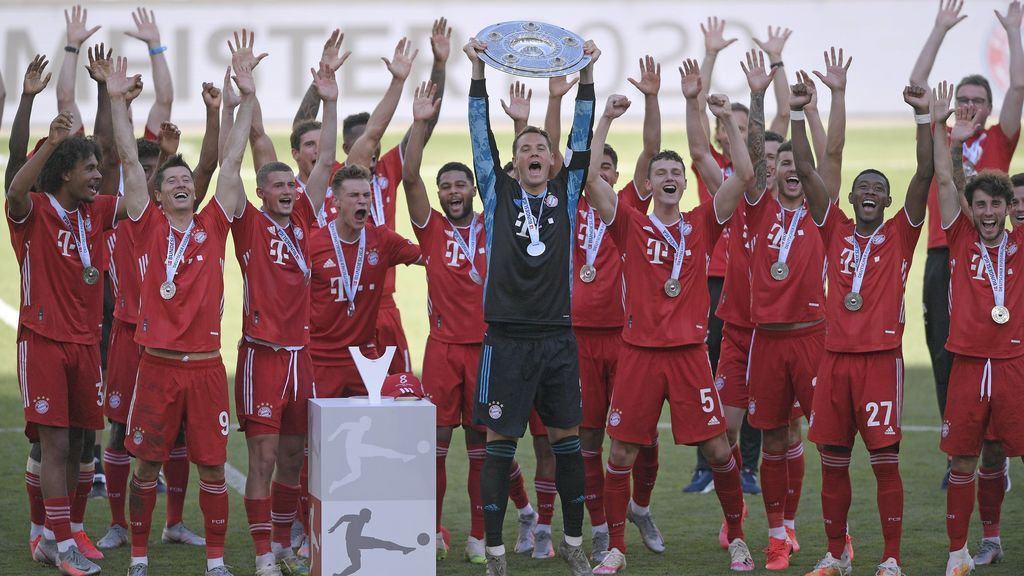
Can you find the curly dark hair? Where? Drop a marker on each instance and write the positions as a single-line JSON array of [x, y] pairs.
[[992, 182], [70, 152]]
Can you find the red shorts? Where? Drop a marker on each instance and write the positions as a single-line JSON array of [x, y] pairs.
[[449, 379], [338, 381], [649, 376], [599, 355], [858, 393], [122, 367], [171, 394], [390, 333], [984, 399], [271, 389], [783, 366], [731, 378], [60, 383]]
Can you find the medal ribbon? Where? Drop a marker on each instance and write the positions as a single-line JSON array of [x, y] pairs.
[[80, 240], [468, 250], [377, 206], [175, 253], [996, 277], [679, 247], [592, 241], [349, 284], [860, 261], [531, 222], [790, 235], [282, 233]]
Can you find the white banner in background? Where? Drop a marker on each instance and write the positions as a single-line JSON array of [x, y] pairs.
[[883, 37]]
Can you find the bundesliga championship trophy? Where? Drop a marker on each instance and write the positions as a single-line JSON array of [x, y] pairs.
[[532, 49]]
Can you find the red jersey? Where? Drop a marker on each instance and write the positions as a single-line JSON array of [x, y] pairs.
[[55, 300], [719, 257], [972, 332], [455, 303], [734, 304], [800, 297], [878, 325], [600, 304], [275, 292], [653, 319], [991, 149], [190, 321], [332, 331], [123, 272]]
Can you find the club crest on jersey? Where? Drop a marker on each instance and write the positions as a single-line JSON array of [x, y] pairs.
[[200, 236], [687, 228], [494, 410], [550, 201], [1011, 249], [88, 223], [373, 257], [615, 418], [41, 405], [945, 429], [298, 232], [720, 383], [879, 239], [137, 436], [383, 181], [114, 400], [751, 407], [264, 411]]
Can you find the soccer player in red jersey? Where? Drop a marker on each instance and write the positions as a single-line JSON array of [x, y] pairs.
[[990, 148], [181, 381], [665, 331], [985, 337], [860, 379]]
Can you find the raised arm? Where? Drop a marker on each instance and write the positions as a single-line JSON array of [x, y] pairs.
[[19, 203], [440, 47], [966, 126], [582, 131], [518, 106], [558, 87], [818, 198], [917, 191], [696, 136], [600, 194], [649, 85], [949, 196], [758, 79], [425, 106], [948, 17], [814, 124], [230, 192], [77, 34], [714, 42], [1013, 101], [309, 108], [230, 100], [319, 177], [100, 64], [36, 79], [119, 88], [366, 146], [208, 153], [831, 165], [773, 46], [486, 161], [262, 146], [731, 190], [147, 31]]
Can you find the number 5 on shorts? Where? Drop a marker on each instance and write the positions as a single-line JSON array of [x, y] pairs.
[[707, 401], [225, 422]]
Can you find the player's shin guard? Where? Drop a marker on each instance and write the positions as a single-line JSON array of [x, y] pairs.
[[991, 490], [476, 453], [886, 466], [730, 495], [569, 479], [959, 506], [836, 494], [86, 474], [517, 487], [213, 501], [774, 485], [795, 486], [441, 479], [283, 500], [176, 475], [645, 474], [58, 517], [546, 493], [257, 510], [118, 467], [593, 482], [494, 487], [616, 501], [37, 510], [141, 504]]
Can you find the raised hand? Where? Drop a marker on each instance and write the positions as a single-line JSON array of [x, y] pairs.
[[145, 27], [949, 14], [650, 77], [35, 82], [559, 86], [966, 124], [119, 83], [775, 43], [401, 63], [241, 51], [518, 106], [243, 78], [168, 138], [1011, 20], [942, 95], [100, 64], [719, 106], [473, 48], [332, 55], [835, 70], [133, 91], [714, 36], [758, 77], [211, 96], [616, 106], [441, 40], [425, 105], [690, 73], [591, 49], [60, 128], [228, 95], [77, 33], [325, 82], [918, 98], [801, 93]]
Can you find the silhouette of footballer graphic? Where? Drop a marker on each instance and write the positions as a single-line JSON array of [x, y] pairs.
[[356, 450], [355, 542]]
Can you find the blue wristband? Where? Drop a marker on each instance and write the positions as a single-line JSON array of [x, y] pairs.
[[157, 50]]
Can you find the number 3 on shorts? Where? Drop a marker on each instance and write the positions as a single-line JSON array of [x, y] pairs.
[[225, 422], [707, 401]]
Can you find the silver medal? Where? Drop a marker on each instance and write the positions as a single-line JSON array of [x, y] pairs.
[[853, 301], [588, 273], [672, 287], [90, 275], [351, 311], [780, 270], [167, 290], [535, 248], [475, 276], [1000, 314]]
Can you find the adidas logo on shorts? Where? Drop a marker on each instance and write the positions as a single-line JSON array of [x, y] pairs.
[[714, 421], [889, 431]]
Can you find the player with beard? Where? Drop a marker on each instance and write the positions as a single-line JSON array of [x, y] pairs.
[[663, 360], [528, 310], [860, 379], [984, 337]]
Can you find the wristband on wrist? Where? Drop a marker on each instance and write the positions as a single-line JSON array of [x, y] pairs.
[[923, 118], [796, 115], [778, 64], [157, 50], [71, 49]]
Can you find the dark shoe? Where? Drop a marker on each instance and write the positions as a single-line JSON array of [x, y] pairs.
[[700, 483], [748, 479]]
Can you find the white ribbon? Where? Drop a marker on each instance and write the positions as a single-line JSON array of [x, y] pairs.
[[531, 221], [679, 247], [282, 233], [349, 284], [470, 249], [176, 253], [860, 261], [80, 241], [996, 276], [592, 241], [787, 238]]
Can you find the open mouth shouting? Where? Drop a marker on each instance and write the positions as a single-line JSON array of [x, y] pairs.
[[535, 170], [989, 226], [793, 184], [360, 215]]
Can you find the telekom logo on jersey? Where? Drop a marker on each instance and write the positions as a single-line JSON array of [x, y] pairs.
[[452, 254], [979, 269], [278, 252], [339, 293], [65, 242]]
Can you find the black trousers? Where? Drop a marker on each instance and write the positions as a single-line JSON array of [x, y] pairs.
[[936, 319]]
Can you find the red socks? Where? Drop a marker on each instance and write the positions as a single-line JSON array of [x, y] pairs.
[[886, 466], [117, 466], [441, 480], [86, 473], [58, 517], [283, 499], [959, 506], [991, 491], [476, 453], [616, 501], [176, 476], [645, 473], [795, 486], [213, 500], [546, 493], [593, 482], [774, 485], [516, 486], [257, 510], [142, 515], [836, 494], [730, 496], [35, 498]]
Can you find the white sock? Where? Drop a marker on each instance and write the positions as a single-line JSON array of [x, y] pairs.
[[48, 534], [641, 510], [65, 545], [77, 527], [35, 530], [212, 563], [496, 550], [543, 528], [791, 524], [576, 541], [602, 528], [144, 560], [777, 533], [526, 510], [264, 560]]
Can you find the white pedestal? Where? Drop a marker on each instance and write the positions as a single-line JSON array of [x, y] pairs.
[[372, 479]]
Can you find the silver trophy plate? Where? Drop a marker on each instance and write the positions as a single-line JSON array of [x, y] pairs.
[[532, 49]]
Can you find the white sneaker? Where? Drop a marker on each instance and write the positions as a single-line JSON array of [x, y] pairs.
[[271, 570], [960, 563], [542, 546], [831, 566], [740, 559], [648, 529], [115, 537], [613, 562], [889, 568], [527, 526], [991, 552], [475, 551], [180, 534]]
